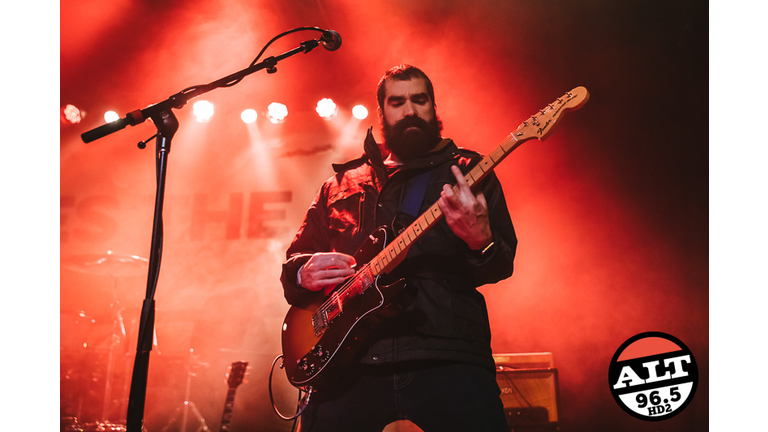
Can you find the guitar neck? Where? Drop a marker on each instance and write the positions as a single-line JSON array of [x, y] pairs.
[[539, 126], [235, 378], [388, 258], [226, 418]]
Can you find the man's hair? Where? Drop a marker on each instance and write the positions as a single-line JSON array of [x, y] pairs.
[[403, 72]]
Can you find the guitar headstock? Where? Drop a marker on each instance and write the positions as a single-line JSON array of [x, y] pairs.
[[541, 124], [236, 373]]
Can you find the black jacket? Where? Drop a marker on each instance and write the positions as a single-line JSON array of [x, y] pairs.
[[448, 319]]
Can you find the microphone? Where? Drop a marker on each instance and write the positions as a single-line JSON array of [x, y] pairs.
[[331, 40]]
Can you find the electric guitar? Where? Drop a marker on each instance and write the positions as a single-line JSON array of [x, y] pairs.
[[234, 379], [323, 336]]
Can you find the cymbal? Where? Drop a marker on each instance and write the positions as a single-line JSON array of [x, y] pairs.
[[109, 264]]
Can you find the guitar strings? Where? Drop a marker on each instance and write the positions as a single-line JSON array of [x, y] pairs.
[[335, 298]]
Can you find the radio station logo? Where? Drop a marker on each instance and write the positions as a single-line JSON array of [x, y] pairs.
[[653, 376]]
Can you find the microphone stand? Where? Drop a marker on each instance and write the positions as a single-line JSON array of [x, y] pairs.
[[167, 125]]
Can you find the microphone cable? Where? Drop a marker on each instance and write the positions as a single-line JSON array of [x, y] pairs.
[[256, 60]]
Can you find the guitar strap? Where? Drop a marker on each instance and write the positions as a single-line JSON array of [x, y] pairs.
[[413, 196]]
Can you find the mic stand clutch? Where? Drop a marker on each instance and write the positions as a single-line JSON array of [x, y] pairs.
[[167, 125]]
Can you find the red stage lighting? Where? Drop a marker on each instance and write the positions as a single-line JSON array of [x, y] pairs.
[[326, 108], [360, 112], [277, 112], [71, 114], [249, 115], [111, 116], [203, 111]]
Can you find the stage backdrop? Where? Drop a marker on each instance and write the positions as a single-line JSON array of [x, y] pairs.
[[611, 211]]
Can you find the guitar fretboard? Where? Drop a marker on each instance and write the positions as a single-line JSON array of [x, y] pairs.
[[386, 260], [226, 418], [235, 378]]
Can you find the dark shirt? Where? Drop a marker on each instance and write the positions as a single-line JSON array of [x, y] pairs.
[[448, 318]]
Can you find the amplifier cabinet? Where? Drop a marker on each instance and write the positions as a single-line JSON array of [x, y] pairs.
[[531, 398]]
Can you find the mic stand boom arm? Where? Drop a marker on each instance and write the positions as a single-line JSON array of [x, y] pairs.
[[180, 99], [167, 125]]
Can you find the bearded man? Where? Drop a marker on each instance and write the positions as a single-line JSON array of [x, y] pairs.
[[431, 361]]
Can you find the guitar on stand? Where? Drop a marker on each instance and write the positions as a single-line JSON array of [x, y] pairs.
[[321, 337], [234, 379]]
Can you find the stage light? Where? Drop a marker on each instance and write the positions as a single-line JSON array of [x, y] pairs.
[[326, 108], [111, 116], [277, 112], [360, 112], [71, 114], [249, 115], [203, 111]]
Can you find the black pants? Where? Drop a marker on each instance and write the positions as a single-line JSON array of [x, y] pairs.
[[437, 398]]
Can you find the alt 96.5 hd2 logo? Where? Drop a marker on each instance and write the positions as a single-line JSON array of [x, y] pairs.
[[653, 376]]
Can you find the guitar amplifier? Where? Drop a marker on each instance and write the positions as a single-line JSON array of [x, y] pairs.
[[529, 391]]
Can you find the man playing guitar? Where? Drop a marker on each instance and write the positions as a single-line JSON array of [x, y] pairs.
[[428, 359]]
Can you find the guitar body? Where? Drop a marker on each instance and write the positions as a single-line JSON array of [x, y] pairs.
[[311, 357]]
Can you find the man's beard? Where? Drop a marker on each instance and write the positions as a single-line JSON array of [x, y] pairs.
[[406, 145]]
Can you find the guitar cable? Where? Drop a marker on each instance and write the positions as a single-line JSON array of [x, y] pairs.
[[301, 403]]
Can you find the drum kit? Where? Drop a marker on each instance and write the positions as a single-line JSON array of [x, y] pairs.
[[95, 360]]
